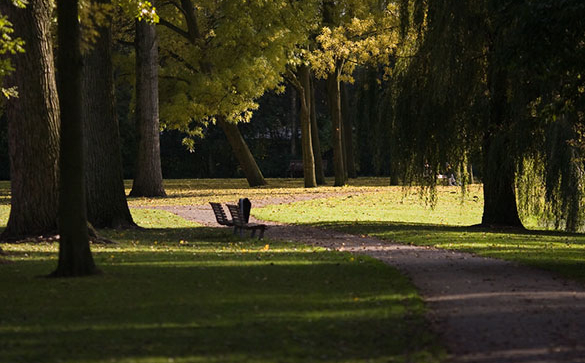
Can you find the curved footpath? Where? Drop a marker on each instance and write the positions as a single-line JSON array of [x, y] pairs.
[[485, 310]]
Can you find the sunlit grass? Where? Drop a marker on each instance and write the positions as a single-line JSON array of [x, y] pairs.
[[388, 204], [202, 191], [388, 216], [179, 292]]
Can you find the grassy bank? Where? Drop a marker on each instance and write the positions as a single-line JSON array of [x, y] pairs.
[[405, 218]]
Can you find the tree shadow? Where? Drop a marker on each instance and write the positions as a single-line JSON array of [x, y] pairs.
[[205, 303]]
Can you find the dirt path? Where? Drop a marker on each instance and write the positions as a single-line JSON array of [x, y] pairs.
[[485, 310]]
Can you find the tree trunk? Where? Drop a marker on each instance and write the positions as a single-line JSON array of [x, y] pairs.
[[499, 189], [319, 171], [348, 133], [334, 100], [293, 122], [106, 198], [75, 257], [33, 125], [304, 75], [148, 180], [242, 153]]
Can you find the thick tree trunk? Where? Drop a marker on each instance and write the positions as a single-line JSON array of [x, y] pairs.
[[293, 122], [148, 181], [348, 133], [106, 198], [75, 257], [319, 171], [242, 153], [33, 125], [304, 75], [334, 100], [499, 188]]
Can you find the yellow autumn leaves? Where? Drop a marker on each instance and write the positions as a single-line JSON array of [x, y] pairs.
[[371, 40]]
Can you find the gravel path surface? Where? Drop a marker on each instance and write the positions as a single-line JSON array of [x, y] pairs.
[[485, 310]]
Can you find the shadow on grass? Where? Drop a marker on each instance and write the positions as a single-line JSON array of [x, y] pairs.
[[377, 226], [213, 298]]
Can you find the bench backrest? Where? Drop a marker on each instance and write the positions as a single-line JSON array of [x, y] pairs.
[[237, 218], [220, 215]]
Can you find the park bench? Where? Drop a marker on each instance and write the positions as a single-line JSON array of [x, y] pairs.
[[240, 224], [220, 215]]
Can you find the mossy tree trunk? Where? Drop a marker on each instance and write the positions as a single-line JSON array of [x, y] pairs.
[[33, 125], [75, 257], [148, 181], [106, 198], [242, 153]]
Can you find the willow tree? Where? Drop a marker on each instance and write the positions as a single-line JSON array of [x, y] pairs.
[[33, 118], [219, 57], [475, 81]]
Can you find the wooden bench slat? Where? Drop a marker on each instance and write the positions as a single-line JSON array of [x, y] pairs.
[[220, 215], [240, 225]]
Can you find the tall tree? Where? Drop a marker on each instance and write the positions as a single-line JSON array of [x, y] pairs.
[[352, 33], [334, 102], [221, 56], [302, 83], [33, 124], [148, 180], [75, 258], [348, 132], [106, 198], [319, 168]]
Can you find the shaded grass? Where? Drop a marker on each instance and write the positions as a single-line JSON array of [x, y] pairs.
[[178, 292], [408, 220]]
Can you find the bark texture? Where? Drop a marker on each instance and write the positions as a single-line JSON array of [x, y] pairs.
[[334, 100], [33, 125], [75, 257], [148, 181], [319, 170], [106, 198], [304, 76], [242, 153]]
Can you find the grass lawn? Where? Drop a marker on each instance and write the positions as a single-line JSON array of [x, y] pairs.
[[179, 292], [395, 216]]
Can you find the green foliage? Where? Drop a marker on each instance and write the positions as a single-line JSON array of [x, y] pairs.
[[9, 45], [481, 68], [220, 57], [183, 293], [355, 34]]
